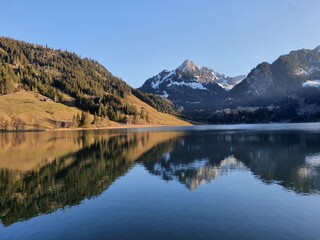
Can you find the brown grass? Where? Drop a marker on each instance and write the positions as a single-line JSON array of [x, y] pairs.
[[156, 118], [28, 107]]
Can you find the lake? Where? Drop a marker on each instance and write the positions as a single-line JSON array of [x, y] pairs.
[[204, 182]]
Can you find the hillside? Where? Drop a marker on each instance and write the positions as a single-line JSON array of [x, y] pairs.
[[154, 116], [36, 114], [71, 85]]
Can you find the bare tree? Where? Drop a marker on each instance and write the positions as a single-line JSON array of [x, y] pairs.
[[18, 124], [37, 123], [2, 121], [6, 125]]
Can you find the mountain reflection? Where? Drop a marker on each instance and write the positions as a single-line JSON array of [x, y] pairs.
[[195, 173], [42, 172], [287, 158]]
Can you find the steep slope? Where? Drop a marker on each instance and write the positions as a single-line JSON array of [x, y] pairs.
[[61, 76], [285, 76], [191, 86]]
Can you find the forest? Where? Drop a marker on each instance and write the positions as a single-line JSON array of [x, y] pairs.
[[54, 73]]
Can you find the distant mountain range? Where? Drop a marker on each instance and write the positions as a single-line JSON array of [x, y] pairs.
[[292, 81], [192, 86]]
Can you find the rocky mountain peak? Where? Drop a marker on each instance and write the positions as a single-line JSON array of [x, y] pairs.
[[198, 73], [187, 66], [191, 85]]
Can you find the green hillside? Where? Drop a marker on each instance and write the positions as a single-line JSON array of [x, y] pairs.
[[61, 75]]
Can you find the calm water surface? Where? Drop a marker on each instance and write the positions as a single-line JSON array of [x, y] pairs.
[[205, 182]]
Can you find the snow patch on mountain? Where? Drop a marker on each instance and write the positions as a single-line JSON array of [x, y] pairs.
[[165, 94], [193, 85], [159, 80], [306, 71], [229, 82], [156, 84]]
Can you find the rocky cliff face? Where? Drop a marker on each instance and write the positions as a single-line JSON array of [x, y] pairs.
[[285, 76]]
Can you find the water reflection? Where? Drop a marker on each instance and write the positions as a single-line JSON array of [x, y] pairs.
[[287, 158], [48, 177], [42, 172], [195, 173]]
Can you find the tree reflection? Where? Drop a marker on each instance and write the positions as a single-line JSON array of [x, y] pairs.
[[68, 179]]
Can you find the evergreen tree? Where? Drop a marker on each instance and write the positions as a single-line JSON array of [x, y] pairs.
[[96, 119], [76, 121], [142, 113], [147, 117], [84, 121]]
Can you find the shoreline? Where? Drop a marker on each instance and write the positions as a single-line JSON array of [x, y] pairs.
[[224, 127], [94, 128], [110, 128]]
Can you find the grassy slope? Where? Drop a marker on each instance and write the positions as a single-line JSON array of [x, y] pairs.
[[157, 118], [28, 107]]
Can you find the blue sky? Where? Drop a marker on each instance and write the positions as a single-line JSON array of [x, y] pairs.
[[136, 39]]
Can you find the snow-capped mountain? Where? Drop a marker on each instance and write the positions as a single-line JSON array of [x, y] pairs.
[[288, 74], [190, 85], [292, 80], [204, 75]]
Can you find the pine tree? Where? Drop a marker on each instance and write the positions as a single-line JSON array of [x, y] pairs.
[[147, 117], [142, 114], [96, 119], [75, 121], [84, 121]]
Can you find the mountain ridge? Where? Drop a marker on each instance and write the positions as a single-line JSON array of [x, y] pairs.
[[285, 75], [287, 89], [191, 83]]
